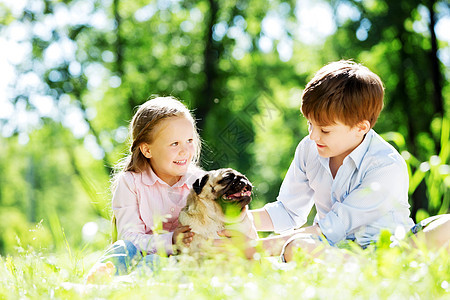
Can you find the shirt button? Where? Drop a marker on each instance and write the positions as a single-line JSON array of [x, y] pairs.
[[172, 209]]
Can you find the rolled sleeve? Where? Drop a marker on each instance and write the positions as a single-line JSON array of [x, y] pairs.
[[332, 227], [294, 201], [282, 221]]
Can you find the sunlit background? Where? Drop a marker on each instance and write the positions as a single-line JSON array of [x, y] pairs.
[[72, 73]]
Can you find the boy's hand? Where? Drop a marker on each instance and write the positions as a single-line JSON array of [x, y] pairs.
[[238, 239], [314, 229], [182, 234]]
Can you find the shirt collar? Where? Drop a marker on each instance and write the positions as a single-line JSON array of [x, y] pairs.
[[358, 153], [149, 177]]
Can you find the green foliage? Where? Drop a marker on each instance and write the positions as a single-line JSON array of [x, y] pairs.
[[434, 172], [56, 158], [44, 185]]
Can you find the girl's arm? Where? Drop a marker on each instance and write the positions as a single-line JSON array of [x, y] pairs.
[[130, 225]]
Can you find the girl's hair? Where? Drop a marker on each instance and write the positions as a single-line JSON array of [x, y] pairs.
[[143, 127], [343, 91]]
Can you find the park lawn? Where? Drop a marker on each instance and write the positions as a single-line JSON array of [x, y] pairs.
[[385, 273]]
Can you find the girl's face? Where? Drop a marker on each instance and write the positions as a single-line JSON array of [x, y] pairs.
[[172, 149]]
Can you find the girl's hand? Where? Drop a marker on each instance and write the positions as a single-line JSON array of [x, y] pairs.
[[182, 234], [228, 233]]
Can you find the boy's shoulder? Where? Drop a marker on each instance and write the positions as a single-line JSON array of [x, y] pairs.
[[379, 152]]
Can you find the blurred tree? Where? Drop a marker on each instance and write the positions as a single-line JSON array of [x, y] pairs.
[[397, 40], [81, 68]]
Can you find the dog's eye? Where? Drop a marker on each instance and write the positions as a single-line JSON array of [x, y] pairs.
[[226, 178]]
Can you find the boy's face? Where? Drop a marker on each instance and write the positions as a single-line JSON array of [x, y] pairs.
[[338, 140]]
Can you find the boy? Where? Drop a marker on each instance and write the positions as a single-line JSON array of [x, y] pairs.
[[357, 181]]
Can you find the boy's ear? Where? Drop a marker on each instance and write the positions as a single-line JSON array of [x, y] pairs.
[[145, 150], [363, 126]]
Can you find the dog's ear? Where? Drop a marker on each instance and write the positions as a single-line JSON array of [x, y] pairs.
[[198, 185]]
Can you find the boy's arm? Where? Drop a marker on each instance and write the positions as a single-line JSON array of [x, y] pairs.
[[274, 245], [270, 245], [381, 194], [295, 199], [262, 220]]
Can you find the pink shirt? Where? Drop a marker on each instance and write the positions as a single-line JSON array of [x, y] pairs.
[[142, 200]]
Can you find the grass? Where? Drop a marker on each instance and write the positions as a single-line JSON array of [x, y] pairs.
[[387, 273]]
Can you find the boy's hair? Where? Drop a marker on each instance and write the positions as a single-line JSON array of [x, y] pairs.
[[343, 91], [144, 125]]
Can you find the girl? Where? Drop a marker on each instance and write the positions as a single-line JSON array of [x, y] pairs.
[[151, 187]]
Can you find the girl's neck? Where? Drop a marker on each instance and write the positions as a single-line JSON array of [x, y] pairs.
[[171, 183], [170, 180]]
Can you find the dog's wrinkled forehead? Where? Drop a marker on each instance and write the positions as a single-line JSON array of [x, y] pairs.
[[232, 181], [228, 176], [219, 179]]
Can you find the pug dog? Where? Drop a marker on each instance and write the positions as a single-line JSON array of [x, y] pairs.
[[217, 201]]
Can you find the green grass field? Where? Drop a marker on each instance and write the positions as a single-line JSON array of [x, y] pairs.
[[384, 273], [379, 272]]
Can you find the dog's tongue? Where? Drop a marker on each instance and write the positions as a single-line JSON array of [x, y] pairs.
[[241, 194]]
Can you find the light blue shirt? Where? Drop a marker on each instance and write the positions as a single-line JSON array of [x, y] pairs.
[[369, 192]]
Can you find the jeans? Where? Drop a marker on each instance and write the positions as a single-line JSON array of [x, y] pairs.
[[127, 258]]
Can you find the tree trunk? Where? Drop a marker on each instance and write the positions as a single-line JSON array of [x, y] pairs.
[[211, 54], [435, 70], [119, 44]]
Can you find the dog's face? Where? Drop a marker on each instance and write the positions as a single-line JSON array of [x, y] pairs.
[[228, 187]]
